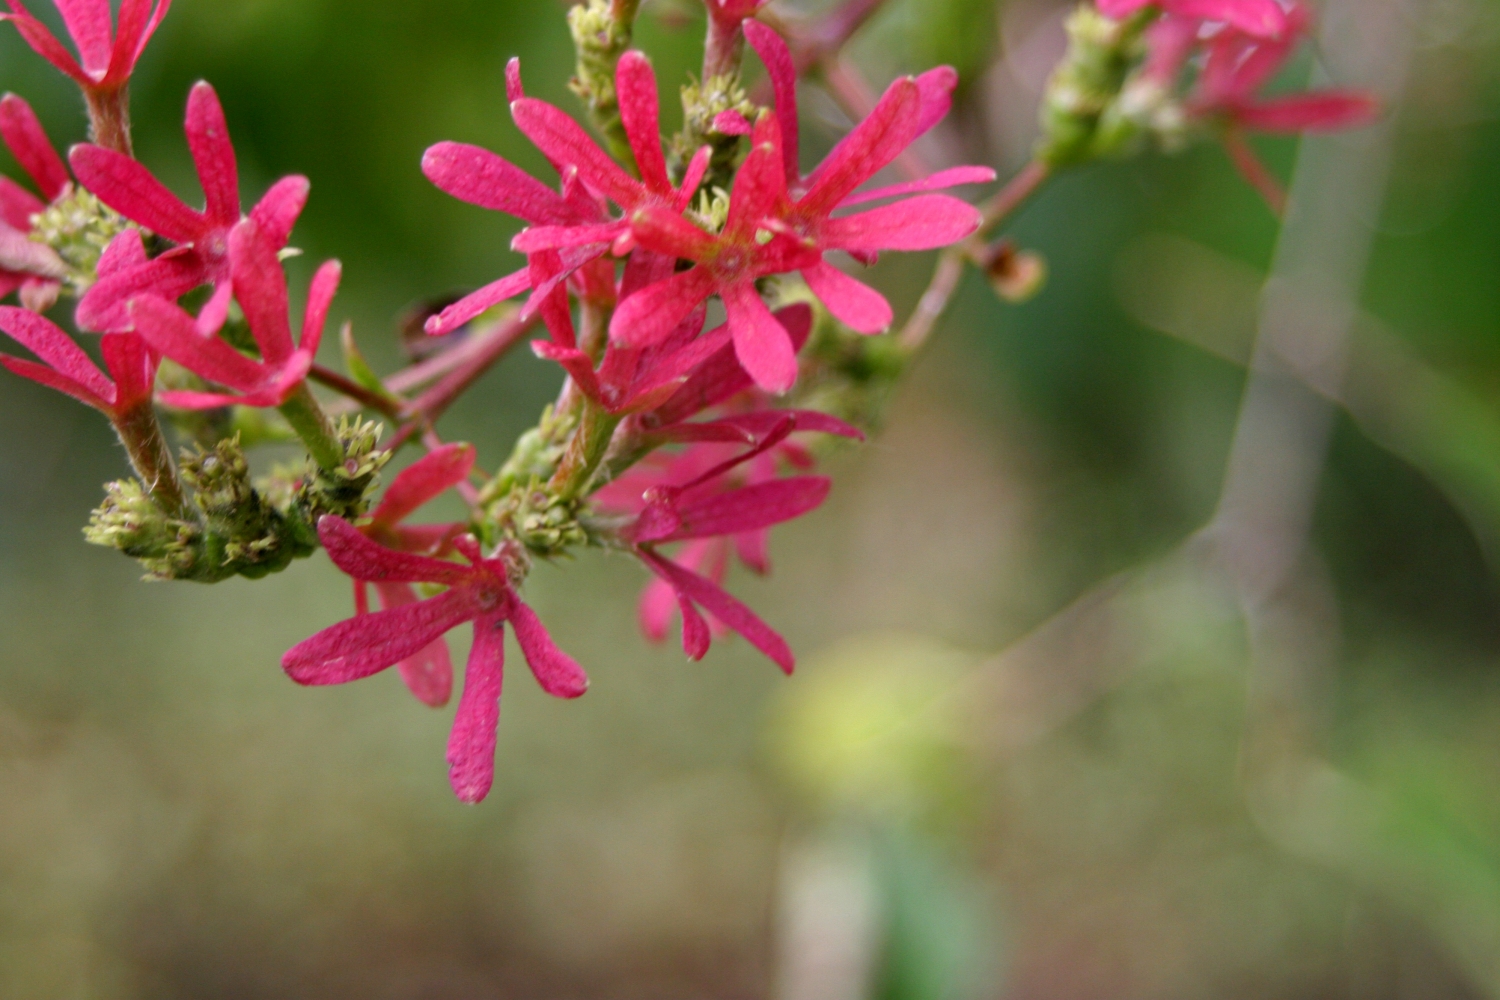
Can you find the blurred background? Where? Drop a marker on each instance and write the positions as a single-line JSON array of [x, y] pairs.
[[1046, 739]]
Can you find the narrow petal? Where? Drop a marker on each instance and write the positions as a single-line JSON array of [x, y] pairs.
[[132, 364], [564, 141], [423, 481], [325, 285], [474, 303], [428, 673], [873, 144], [128, 188], [260, 289], [759, 190], [213, 155], [215, 311], [514, 91], [721, 376], [756, 426], [482, 178], [936, 89], [88, 21], [773, 51], [761, 344], [753, 548], [471, 744], [654, 612], [170, 276], [653, 313], [537, 238], [32, 149], [277, 211], [45, 45], [926, 222], [852, 302], [173, 332], [670, 234], [749, 508], [1322, 111], [367, 644], [44, 339], [363, 559], [42, 375], [939, 181], [723, 607], [578, 365], [557, 672], [692, 178], [635, 84], [18, 205]]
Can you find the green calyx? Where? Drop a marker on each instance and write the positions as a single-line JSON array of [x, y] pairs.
[[601, 34], [701, 104], [1080, 113]]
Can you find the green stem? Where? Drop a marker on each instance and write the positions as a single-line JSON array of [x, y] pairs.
[[596, 428], [313, 426], [151, 457], [602, 32]]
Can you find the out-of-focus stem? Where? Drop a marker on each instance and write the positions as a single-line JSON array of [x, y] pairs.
[[355, 391], [141, 434], [950, 267], [724, 48], [109, 117], [313, 426], [832, 32], [1254, 171]]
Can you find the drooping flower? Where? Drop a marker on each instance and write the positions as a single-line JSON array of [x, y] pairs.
[[259, 285], [107, 53], [131, 364], [1260, 18], [711, 505], [428, 673], [576, 223], [481, 593], [201, 256], [24, 263]]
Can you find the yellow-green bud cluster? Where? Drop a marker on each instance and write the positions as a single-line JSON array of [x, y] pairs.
[[701, 104], [78, 226], [1080, 115]]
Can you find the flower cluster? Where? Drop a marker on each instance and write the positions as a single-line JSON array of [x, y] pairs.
[[676, 441]]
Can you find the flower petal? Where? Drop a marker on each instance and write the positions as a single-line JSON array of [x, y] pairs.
[[132, 364], [852, 302], [18, 205], [761, 344], [213, 155], [936, 88], [173, 332], [128, 188], [873, 144], [363, 559], [635, 85], [721, 376], [474, 303], [953, 177], [170, 276], [45, 44], [423, 481], [42, 375], [47, 341], [1320, 111], [557, 672], [428, 673], [471, 744], [723, 607], [320, 293], [277, 211], [482, 178], [32, 149], [749, 508], [773, 51], [565, 142], [367, 644], [653, 313], [926, 222], [260, 289]]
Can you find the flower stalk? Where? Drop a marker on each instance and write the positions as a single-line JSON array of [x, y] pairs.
[[109, 118], [151, 457], [313, 425]]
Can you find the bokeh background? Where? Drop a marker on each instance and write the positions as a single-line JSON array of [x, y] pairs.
[[1028, 752]]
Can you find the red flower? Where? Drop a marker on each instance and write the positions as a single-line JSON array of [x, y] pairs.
[[259, 285], [480, 593], [576, 222], [1261, 18], [132, 365], [24, 263], [201, 256], [428, 673], [106, 54]]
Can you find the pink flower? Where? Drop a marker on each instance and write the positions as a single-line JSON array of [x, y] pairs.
[[780, 221], [106, 54], [428, 673], [201, 256], [480, 593], [132, 365], [711, 508], [576, 222], [1240, 63], [1261, 18], [24, 263], [260, 287]]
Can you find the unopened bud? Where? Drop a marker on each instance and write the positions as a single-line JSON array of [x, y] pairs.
[[1016, 275]]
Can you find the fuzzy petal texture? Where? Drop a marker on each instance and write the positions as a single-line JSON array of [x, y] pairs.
[[773, 51], [48, 342], [557, 672], [260, 289], [170, 276], [363, 559], [367, 644], [865, 151], [213, 155], [132, 365], [564, 141], [749, 508], [30, 146], [653, 313], [943, 179], [474, 303], [428, 673], [852, 302], [922, 223], [277, 211], [320, 293], [471, 744], [635, 84], [129, 188], [721, 377]]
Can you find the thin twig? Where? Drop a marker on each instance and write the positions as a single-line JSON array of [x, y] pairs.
[[348, 387]]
